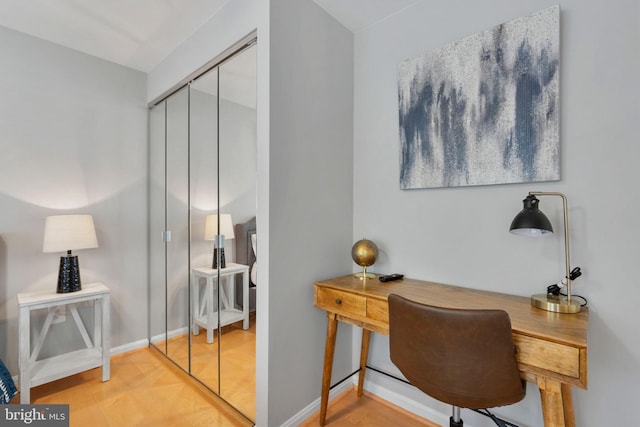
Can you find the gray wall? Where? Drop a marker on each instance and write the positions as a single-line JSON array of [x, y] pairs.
[[73, 140], [311, 196], [427, 234]]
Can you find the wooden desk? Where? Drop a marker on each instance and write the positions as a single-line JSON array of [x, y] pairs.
[[551, 347]]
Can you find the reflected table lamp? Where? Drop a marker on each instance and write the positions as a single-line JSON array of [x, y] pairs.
[[213, 223], [531, 222], [67, 233]]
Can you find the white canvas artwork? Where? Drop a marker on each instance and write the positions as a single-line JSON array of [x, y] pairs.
[[483, 110]]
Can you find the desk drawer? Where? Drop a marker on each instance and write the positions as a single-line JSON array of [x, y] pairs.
[[562, 359], [341, 302], [378, 310]]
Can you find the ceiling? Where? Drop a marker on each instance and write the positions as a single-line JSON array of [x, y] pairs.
[[357, 15], [135, 33], [141, 33]]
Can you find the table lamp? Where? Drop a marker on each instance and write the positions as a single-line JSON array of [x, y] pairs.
[[532, 222], [66, 233], [224, 224]]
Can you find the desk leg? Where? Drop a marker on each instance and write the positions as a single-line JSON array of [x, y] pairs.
[[364, 353], [330, 346], [557, 404], [567, 404]]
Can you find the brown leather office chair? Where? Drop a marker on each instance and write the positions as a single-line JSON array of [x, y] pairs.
[[465, 358]]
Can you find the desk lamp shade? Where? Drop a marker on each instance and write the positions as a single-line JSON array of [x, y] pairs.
[[218, 235], [65, 233], [531, 222]]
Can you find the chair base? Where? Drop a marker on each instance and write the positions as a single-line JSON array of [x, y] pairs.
[[455, 420]]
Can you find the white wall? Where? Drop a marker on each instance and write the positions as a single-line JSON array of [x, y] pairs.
[[427, 234], [72, 140]]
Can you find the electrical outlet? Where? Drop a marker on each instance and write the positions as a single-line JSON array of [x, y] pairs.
[[60, 315]]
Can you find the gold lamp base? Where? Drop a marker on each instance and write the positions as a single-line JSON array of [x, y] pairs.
[[555, 303], [364, 274]]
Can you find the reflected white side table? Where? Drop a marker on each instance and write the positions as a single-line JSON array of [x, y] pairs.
[[34, 372], [204, 309]]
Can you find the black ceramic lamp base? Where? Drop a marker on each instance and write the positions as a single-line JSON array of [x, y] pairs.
[[223, 263], [69, 274]]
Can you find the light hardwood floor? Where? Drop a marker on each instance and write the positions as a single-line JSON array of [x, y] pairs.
[[347, 410], [146, 389], [237, 381]]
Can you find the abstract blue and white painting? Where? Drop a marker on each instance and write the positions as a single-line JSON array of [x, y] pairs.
[[483, 110]]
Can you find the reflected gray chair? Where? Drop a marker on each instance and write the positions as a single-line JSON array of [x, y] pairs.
[[465, 358]]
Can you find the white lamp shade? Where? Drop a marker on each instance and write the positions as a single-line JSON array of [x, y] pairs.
[[69, 232], [211, 227]]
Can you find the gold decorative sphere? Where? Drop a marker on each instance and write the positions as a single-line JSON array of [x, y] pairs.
[[364, 253]]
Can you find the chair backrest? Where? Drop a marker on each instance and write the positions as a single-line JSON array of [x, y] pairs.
[[462, 357]]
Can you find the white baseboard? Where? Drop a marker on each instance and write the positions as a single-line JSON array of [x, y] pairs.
[[314, 406], [395, 398], [170, 334], [418, 408], [130, 347], [419, 404], [145, 342]]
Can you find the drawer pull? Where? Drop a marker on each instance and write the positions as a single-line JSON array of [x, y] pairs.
[[338, 301]]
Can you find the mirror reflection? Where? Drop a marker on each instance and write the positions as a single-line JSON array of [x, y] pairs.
[[238, 167], [203, 265], [204, 121], [177, 211], [157, 270], [169, 240]]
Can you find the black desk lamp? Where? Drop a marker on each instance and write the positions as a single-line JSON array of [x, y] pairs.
[[532, 222]]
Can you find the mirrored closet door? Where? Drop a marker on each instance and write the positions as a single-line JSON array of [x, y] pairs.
[[238, 182], [169, 215], [203, 240]]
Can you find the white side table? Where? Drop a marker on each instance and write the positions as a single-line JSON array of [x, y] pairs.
[[34, 372], [205, 312]]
